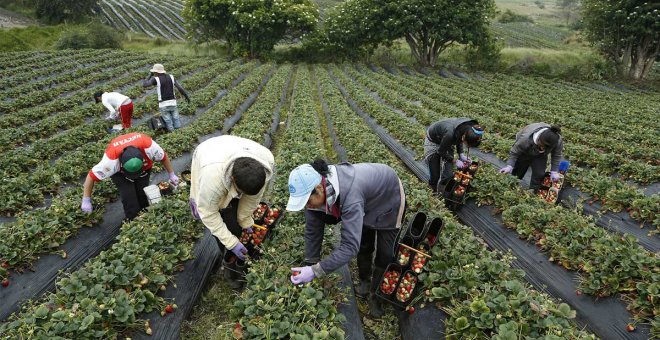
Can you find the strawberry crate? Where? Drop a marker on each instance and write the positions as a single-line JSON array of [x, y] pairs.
[[549, 191], [398, 286], [417, 228], [266, 219], [456, 189], [433, 229]]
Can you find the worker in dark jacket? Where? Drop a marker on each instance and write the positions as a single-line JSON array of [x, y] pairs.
[[441, 138], [165, 85], [533, 144], [368, 199]]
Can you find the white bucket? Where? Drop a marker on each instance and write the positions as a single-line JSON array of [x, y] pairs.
[[153, 194]]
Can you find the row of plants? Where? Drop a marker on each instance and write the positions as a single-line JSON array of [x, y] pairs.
[[478, 289], [624, 253], [105, 297], [88, 77], [18, 62], [270, 306], [28, 237], [65, 103], [32, 164], [643, 208], [76, 69], [53, 68], [508, 120], [608, 264]]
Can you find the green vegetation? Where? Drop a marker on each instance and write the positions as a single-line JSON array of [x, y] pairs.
[[510, 16], [30, 38]]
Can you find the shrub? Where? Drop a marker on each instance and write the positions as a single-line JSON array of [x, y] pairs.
[[510, 16], [94, 35]]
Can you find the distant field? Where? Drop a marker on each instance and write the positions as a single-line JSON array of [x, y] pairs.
[[154, 18]]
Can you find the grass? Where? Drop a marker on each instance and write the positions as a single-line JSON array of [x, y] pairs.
[[210, 317], [30, 38], [18, 6], [135, 42]]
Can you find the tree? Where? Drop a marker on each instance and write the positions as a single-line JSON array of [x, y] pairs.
[[250, 27], [627, 32], [569, 7], [428, 26], [60, 11]]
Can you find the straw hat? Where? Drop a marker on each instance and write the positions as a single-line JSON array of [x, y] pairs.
[[158, 68]]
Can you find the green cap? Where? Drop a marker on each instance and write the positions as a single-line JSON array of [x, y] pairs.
[[133, 165]]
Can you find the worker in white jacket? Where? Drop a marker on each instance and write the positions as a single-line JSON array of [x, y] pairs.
[[229, 175], [117, 104]]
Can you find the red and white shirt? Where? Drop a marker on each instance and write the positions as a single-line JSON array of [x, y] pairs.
[[109, 164]]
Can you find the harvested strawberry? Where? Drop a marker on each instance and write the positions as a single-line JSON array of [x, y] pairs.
[[404, 256], [5, 283], [295, 273], [410, 309], [169, 309], [630, 328]]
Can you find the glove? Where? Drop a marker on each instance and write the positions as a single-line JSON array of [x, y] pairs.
[[506, 170], [239, 250], [174, 179], [554, 176], [86, 205], [460, 164], [249, 230], [193, 208], [305, 274], [465, 158]]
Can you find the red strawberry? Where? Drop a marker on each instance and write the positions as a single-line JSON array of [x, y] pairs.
[[5, 283], [410, 309], [296, 273], [169, 309], [630, 328], [578, 292], [5, 265]]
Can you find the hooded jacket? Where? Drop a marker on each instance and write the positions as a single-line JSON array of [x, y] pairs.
[[445, 135], [525, 147], [370, 196]]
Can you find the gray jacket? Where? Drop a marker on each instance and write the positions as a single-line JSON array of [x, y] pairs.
[[369, 197], [444, 134], [525, 147]]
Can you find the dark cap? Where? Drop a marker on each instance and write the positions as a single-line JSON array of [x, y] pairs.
[[97, 94], [131, 162]]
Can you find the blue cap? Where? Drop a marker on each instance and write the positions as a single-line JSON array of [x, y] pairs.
[[302, 181]]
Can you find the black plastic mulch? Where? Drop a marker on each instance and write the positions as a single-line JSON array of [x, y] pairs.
[[607, 318]]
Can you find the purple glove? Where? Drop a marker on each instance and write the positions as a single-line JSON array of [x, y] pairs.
[[173, 179], [193, 208], [465, 158], [239, 250], [506, 170], [460, 164], [305, 274], [249, 230], [554, 176], [86, 205]]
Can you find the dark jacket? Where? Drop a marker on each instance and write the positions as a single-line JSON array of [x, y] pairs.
[[369, 197], [525, 147], [167, 85], [445, 134]]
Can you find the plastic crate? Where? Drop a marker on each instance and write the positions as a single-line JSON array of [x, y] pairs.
[[549, 191]]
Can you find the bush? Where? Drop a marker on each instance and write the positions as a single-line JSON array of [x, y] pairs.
[[91, 36], [510, 16]]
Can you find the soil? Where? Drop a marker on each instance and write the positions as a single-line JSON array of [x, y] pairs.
[[9, 19]]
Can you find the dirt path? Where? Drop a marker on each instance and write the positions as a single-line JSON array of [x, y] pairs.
[[9, 19]]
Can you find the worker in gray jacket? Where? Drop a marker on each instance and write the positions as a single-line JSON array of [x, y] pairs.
[[442, 138], [368, 199], [533, 144]]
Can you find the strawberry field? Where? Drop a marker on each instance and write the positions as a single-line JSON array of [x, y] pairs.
[[160, 19], [508, 265]]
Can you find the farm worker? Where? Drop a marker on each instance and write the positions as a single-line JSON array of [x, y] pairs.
[[368, 199], [229, 176], [127, 161], [533, 144], [441, 138], [117, 104], [165, 85]]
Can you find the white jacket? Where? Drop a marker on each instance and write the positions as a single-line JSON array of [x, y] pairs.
[[212, 187]]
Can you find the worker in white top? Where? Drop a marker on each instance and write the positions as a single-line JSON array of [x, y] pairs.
[[229, 176], [117, 104]]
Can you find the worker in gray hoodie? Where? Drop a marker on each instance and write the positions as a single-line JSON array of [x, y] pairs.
[[533, 144], [369, 201]]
